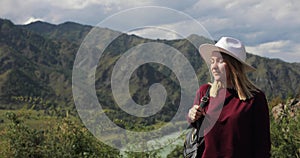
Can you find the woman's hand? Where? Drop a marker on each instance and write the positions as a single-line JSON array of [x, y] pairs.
[[195, 113]]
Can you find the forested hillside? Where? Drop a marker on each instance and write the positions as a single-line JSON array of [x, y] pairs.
[[37, 60]]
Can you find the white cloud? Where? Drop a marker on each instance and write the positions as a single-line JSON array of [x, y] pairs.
[[253, 15], [32, 19], [110, 4], [55, 11], [217, 24], [177, 30], [70, 4], [284, 49], [20, 11], [270, 47], [155, 33]]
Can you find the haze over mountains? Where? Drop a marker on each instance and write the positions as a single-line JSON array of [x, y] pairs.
[[36, 60]]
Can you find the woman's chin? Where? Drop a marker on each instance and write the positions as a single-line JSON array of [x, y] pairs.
[[219, 79]]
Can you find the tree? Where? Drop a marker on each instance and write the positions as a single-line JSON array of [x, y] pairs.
[[67, 138], [285, 134]]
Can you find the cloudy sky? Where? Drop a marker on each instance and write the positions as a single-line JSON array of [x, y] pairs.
[[269, 28]]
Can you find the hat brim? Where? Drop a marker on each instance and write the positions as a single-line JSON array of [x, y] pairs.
[[206, 50]]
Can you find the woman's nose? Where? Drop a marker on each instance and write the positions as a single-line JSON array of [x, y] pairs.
[[213, 65]]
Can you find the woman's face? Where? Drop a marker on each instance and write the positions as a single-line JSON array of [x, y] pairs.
[[218, 67]]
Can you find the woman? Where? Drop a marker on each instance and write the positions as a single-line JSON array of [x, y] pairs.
[[241, 127]]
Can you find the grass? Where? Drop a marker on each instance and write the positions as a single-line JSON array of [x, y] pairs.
[[32, 118]]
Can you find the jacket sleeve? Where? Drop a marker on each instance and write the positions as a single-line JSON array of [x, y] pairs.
[[262, 140]]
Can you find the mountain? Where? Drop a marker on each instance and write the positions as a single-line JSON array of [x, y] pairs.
[[69, 31], [36, 60]]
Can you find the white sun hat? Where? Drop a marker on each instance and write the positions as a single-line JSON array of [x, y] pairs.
[[227, 45]]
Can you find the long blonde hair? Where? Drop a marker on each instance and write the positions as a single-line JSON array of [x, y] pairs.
[[237, 76]]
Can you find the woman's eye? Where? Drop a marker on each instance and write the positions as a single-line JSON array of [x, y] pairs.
[[217, 60]]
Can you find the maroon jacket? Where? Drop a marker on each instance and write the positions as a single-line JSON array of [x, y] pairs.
[[241, 129]]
